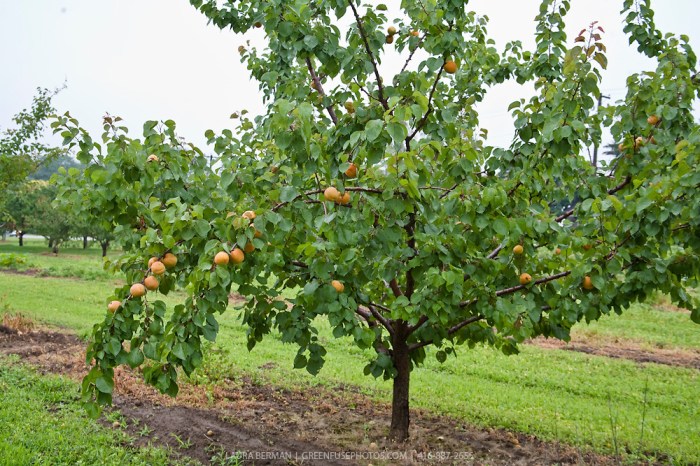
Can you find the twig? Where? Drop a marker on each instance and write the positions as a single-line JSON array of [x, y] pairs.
[[452, 330], [378, 315], [513, 289], [617, 188], [319, 89], [423, 120], [363, 34]]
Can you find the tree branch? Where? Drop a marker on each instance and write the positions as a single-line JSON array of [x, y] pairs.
[[371, 323], [513, 289], [410, 56], [320, 191], [394, 285], [617, 188], [495, 252], [423, 120], [363, 34], [319, 89], [451, 331], [378, 315]]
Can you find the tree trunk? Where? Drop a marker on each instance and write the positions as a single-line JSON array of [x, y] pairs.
[[105, 245], [85, 242], [20, 235], [54, 249], [401, 358], [50, 243]]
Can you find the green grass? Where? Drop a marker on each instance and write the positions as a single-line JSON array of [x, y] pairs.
[[42, 422], [647, 324], [553, 394], [66, 302], [71, 261]]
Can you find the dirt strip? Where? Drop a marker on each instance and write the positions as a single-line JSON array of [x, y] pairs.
[[625, 349]]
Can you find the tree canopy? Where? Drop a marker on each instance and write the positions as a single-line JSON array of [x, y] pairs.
[[376, 202]]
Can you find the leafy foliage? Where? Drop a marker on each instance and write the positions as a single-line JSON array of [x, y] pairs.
[[423, 243], [21, 148]]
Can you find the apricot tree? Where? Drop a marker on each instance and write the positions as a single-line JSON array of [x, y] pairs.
[[372, 198]]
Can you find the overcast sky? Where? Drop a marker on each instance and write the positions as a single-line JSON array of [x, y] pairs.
[[158, 59]]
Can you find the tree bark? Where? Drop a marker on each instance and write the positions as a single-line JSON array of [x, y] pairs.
[[105, 245], [50, 244], [21, 238], [54, 249], [400, 416], [85, 242]]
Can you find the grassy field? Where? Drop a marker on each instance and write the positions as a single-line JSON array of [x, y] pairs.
[[42, 422], [554, 394]]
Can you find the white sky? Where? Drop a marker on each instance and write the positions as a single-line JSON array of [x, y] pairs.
[[158, 59]]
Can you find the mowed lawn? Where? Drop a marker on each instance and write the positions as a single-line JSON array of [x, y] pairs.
[[590, 401]]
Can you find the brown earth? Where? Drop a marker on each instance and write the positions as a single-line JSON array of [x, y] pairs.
[[625, 349], [308, 426]]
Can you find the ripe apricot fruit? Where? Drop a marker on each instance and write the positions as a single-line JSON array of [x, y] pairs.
[[587, 283], [221, 258], [153, 158], [339, 287], [653, 120], [331, 194], [151, 283], [344, 199], [249, 247], [258, 233], [151, 261], [237, 256], [249, 214], [157, 268], [137, 290], [113, 306], [351, 172], [450, 67], [518, 249], [169, 260], [525, 278]]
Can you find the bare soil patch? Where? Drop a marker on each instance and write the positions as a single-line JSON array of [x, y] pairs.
[[284, 426], [625, 349]]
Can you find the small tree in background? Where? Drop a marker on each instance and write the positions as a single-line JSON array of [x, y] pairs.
[[21, 149], [372, 198], [20, 204], [51, 222]]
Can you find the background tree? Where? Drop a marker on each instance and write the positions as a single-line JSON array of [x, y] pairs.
[[373, 199], [20, 203], [92, 228], [49, 168], [22, 149], [51, 222]]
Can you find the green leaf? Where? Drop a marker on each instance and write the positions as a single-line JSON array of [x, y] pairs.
[[397, 131], [373, 129], [288, 193], [135, 358], [202, 228], [104, 384]]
